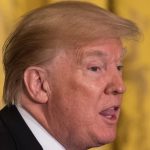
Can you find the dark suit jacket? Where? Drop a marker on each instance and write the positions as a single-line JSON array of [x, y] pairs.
[[14, 133]]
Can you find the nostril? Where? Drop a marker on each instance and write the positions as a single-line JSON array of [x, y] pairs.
[[115, 89], [116, 108], [119, 90], [115, 92]]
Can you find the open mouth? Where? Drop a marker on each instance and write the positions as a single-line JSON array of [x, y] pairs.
[[110, 113]]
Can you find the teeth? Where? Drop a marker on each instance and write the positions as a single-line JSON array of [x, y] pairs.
[[114, 108], [109, 117], [110, 112]]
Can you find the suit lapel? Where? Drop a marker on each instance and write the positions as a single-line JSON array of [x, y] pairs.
[[21, 134]]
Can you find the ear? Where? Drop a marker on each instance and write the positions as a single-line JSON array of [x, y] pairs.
[[36, 84]]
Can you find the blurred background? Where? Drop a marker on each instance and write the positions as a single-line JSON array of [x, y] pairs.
[[134, 123]]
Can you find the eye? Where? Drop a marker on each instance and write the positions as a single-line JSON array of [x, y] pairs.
[[120, 67], [94, 68]]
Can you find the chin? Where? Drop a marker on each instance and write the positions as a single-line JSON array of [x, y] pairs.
[[105, 136], [100, 138], [108, 137]]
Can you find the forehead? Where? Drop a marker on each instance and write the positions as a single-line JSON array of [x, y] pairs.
[[110, 48]]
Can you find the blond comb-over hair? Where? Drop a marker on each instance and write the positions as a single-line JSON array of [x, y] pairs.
[[45, 31]]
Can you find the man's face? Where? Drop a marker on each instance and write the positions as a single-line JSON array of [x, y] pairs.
[[86, 95]]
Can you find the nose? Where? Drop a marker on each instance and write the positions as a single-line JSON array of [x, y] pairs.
[[116, 85]]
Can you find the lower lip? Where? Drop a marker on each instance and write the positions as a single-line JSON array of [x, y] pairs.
[[110, 119]]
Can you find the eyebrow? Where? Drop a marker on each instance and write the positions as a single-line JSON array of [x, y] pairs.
[[95, 53], [98, 53]]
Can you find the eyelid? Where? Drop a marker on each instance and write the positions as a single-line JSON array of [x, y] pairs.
[[94, 68]]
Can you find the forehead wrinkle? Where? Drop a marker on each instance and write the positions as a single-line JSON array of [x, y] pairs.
[[102, 54], [95, 53], [123, 54], [81, 54], [78, 55]]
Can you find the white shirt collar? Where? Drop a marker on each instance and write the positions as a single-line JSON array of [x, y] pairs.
[[43, 137]]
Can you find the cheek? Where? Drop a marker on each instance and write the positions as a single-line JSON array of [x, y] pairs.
[[82, 99], [76, 101], [90, 92], [78, 97]]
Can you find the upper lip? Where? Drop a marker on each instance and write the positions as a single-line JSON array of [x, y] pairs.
[[114, 108]]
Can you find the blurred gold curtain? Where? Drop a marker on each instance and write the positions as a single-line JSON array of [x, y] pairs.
[[134, 124], [134, 127]]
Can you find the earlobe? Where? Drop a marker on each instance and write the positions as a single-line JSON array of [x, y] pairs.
[[36, 84]]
